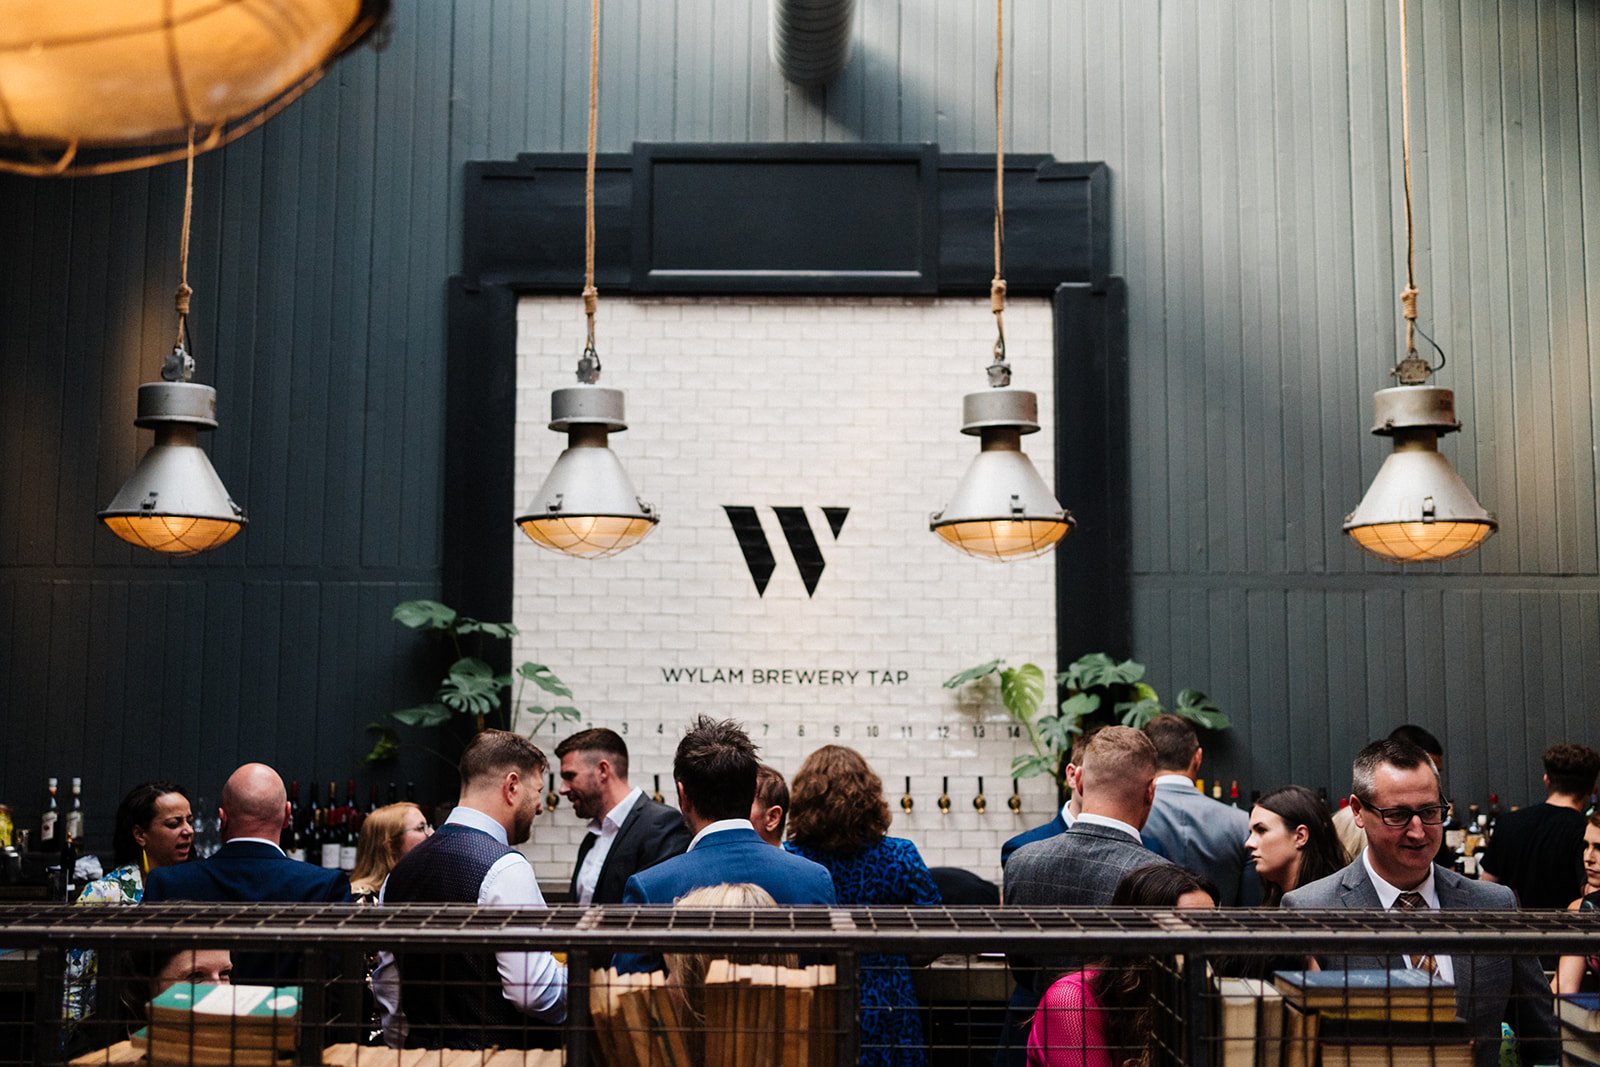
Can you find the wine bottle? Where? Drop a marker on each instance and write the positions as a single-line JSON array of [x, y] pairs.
[[48, 841], [350, 828], [394, 793], [331, 829], [372, 799], [1233, 793], [1494, 812], [75, 815], [294, 845]]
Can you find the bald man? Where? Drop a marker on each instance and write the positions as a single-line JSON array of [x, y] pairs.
[[250, 866]]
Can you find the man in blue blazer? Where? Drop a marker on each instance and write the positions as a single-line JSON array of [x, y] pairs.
[[715, 771], [250, 866]]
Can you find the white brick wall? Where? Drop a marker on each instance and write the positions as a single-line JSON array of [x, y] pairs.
[[791, 402]]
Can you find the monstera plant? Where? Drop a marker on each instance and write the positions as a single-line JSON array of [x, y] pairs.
[[471, 687], [1096, 690]]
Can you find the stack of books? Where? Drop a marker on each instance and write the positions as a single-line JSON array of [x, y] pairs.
[[1371, 1018], [1580, 1028], [222, 1026], [636, 1021]]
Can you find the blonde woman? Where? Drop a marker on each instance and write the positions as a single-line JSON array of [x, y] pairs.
[[386, 835], [686, 971]]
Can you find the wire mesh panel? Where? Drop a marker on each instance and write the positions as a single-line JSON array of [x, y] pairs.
[[458, 986]]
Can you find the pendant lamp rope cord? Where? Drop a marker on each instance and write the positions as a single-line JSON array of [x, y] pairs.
[[184, 292], [591, 296], [997, 287], [1408, 297]]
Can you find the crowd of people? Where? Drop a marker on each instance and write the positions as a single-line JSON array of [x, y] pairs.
[[1135, 832]]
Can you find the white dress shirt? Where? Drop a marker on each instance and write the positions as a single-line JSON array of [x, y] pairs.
[[1066, 814], [1388, 894], [1089, 819], [533, 982], [605, 830], [719, 826]]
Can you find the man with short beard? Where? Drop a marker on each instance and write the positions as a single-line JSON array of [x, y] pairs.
[[448, 999], [628, 832]]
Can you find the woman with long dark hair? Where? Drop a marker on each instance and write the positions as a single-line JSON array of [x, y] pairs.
[[1103, 1016], [1292, 842]]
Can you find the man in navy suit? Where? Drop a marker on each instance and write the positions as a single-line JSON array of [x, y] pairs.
[[250, 866], [715, 770]]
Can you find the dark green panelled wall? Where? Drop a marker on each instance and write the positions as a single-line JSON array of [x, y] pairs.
[[1255, 191]]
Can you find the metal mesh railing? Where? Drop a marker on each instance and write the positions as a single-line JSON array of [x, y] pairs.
[[803, 986]]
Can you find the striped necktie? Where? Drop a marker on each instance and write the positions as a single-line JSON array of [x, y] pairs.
[[1415, 902]]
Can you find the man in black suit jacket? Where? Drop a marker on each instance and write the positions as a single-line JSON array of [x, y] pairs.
[[628, 832], [250, 866]]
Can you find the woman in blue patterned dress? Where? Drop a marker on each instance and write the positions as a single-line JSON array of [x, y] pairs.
[[838, 818]]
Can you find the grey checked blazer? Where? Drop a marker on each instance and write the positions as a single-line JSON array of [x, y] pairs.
[[1489, 989], [1077, 869], [1207, 837]]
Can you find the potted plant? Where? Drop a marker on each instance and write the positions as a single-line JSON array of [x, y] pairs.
[[471, 687], [1096, 690]]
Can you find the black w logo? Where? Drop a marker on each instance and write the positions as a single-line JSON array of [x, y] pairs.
[[796, 530]]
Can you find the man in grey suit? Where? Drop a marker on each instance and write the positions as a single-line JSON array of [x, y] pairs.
[[1399, 803], [1194, 831], [1081, 867]]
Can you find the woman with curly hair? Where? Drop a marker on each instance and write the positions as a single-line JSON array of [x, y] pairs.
[[1103, 1016], [839, 818]]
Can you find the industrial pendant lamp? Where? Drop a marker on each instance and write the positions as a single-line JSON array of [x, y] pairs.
[[99, 86], [587, 506], [174, 502], [1001, 509], [1418, 509]]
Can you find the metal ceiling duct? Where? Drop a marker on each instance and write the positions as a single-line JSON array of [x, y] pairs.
[[810, 39]]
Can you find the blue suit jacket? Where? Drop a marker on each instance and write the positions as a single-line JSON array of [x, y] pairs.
[[1055, 826], [726, 856], [245, 872], [250, 872]]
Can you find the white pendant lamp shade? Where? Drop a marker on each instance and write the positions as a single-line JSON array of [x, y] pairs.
[[1418, 509], [125, 73], [174, 502], [1001, 509], [587, 505]]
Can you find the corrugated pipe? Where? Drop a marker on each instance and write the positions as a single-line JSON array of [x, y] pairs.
[[810, 39]]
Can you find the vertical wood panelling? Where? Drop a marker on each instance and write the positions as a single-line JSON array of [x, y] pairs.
[[1256, 211]]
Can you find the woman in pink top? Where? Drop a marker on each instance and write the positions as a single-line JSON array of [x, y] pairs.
[[1101, 1016]]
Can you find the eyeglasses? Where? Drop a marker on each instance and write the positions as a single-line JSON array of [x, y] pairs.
[[1432, 815]]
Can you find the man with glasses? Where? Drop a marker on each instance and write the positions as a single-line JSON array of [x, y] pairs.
[[1399, 802]]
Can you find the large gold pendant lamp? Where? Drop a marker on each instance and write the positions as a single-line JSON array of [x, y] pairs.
[[97, 86], [1001, 509], [1418, 510]]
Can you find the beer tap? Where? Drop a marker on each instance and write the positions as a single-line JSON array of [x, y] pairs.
[[944, 797], [1014, 802], [980, 801], [553, 799], [906, 803], [656, 796]]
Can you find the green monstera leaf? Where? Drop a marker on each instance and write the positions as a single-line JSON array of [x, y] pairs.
[[424, 615], [972, 674], [1022, 691]]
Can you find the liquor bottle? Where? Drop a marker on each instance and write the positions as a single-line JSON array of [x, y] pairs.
[[1255, 797], [1233, 793], [1494, 812], [331, 829], [75, 815], [294, 844], [48, 841], [1200, 785], [1216, 791]]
